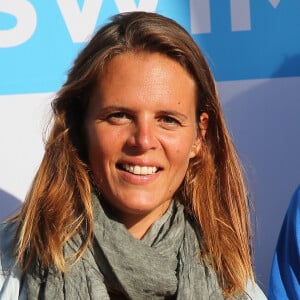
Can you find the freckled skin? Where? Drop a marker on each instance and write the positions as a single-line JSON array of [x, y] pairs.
[[142, 112]]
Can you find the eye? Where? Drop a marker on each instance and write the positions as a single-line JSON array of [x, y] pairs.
[[119, 118], [169, 121]]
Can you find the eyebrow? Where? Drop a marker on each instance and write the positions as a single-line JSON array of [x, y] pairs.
[[112, 108], [108, 109], [174, 113]]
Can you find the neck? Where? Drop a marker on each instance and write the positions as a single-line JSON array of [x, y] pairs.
[[139, 224]]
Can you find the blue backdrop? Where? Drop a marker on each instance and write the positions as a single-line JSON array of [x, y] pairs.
[[242, 39]]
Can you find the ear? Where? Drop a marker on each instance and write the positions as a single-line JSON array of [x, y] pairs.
[[203, 125]]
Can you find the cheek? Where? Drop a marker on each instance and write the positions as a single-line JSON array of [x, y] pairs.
[[180, 157], [94, 145], [103, 145], [182, 148], [97, 155]]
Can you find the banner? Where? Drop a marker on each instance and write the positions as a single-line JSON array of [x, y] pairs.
[[242, 39]]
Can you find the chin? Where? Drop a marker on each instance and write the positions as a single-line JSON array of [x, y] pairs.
[[138, 207], [141, 206]]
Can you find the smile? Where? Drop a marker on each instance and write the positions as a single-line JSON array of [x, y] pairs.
[[139, 170]]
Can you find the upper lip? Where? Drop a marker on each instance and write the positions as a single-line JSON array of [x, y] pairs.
[[140, 162]]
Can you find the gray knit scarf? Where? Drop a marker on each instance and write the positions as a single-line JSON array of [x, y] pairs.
[[165, 264]]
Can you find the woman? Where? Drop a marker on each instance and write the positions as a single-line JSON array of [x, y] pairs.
[[140, 194]]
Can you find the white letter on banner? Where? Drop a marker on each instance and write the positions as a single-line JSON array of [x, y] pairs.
[[274, 3], [240, 15], [26, 17], [80, 23], [200, 16], [129, 5]]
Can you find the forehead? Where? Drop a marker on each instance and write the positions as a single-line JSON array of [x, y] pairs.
[[143, 82], [147, 70]]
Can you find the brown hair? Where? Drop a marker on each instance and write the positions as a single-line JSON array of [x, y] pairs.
[[58, 204]]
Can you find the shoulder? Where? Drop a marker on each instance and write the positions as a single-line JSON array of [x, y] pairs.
[[10, 274], [294, 206], [290, 230], [285, 274], [254, 292], [7, 233]]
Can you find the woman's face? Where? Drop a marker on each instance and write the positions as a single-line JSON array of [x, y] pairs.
[[141, 132]]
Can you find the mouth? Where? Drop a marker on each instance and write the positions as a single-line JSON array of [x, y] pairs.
[[138, 170]]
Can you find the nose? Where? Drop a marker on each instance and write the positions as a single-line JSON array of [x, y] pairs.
[[143, 136]]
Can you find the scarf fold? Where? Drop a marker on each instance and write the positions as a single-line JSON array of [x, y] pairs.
[[165, 264]]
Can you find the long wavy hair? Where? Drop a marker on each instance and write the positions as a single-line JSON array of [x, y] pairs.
[[58, 204]]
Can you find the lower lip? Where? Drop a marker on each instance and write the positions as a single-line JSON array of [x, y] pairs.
[[138, 179]]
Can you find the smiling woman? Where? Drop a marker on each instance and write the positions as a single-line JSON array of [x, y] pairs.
[[140, 194]]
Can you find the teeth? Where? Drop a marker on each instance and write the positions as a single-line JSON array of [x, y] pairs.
[[140, 170]]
